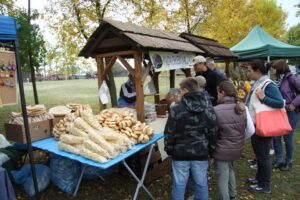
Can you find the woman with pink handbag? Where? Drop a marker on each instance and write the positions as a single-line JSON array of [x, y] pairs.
[[289, 86], [264, 91]]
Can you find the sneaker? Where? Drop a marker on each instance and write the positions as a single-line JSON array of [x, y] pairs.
[[252, 161], [286, 167], [278, 165], [257, 188], [253, 166], [252, 181], [271, 152]]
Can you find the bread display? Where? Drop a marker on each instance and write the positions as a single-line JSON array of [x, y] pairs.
[[123, 121], [102, 137]]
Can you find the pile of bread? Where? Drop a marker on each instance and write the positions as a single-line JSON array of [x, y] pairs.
[[71, 112], [96, 137], [123, 121], [36, 113]]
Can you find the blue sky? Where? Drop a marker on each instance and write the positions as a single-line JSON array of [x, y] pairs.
[[289, 7]]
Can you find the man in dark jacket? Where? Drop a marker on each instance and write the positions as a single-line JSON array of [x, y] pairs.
[[190, 138], [212, 77]]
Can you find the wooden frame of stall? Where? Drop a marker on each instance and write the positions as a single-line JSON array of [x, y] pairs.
[[114, 40], [137, 72]]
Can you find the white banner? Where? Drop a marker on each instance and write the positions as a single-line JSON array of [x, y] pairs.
[[163, 61]]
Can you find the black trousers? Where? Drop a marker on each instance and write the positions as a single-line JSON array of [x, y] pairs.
[[261, 147]]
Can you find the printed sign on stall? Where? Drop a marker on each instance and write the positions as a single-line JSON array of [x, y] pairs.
[[163, 61]]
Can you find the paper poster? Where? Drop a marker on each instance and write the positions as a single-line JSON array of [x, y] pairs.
[[164, 61]]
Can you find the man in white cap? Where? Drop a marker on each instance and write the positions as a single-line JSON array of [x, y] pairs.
[[212, 78], [210, 63]]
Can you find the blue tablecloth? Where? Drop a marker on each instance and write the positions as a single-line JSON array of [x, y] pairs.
[[50, 145]]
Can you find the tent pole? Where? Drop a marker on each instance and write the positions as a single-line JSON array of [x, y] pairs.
[[269, 59], [36, 99], [25, 117]]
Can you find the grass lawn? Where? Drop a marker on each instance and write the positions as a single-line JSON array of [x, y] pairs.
[[285, 185]]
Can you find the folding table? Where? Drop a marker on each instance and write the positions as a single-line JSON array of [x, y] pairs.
[[50, 144]]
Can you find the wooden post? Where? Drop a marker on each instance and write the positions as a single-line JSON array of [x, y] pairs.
[[139, 87], [156, 85], [172, 78], [227, 70], [100, 68]]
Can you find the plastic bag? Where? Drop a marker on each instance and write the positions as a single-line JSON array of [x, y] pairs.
[[64, 173], [24, 178], [92, 173]]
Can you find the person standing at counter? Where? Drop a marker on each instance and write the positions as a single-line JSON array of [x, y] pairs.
[[127, 93], [190, 131], [212, 77]]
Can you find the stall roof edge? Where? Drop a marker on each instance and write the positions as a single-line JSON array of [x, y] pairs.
[[136, 36], [210, 46]]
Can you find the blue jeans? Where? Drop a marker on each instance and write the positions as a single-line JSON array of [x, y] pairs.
[[261, 147], [181, 172], [288, 140]]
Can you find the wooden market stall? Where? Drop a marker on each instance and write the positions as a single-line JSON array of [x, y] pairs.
[[117, 40], [213, 49]]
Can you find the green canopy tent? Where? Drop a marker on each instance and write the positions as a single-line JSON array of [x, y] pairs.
[[259, 44]]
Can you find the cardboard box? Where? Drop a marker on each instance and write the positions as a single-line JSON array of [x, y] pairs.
[[38, 131]]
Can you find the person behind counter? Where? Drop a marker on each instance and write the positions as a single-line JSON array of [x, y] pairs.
[[127, 93], [212, 77]]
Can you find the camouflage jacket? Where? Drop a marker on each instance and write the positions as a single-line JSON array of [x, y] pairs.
[[191, 129]]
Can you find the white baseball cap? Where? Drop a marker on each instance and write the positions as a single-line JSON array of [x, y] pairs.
[[198, 59]]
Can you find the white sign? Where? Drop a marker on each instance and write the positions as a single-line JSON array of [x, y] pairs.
[[104, 93], [163, 61]]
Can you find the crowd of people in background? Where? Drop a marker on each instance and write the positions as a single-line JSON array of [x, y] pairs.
[[209, 123]]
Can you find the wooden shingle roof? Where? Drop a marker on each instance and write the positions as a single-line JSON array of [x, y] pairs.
[[113, 36], [211, 47]]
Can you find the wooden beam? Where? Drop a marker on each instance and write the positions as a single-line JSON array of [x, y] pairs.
[[156, 85], [187, 72], [139, 87], [107, 68], [100, 68], [126, 64], [146, 71], [119, 53], [227, 70], [172, 78]]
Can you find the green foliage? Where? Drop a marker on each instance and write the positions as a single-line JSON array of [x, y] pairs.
[[293, 35], [231, 20], [187, 15], [30, 35], [74, 22], [6, 6]]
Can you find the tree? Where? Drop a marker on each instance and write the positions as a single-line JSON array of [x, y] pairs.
[[6, 6], [74, 22], [293, 35], [187, 15], [31, 33], [231, 20]]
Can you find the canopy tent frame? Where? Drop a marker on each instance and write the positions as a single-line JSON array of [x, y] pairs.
[[260, 44], [9, 33]]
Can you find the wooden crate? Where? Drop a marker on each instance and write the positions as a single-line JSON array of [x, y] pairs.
[[157, 167]]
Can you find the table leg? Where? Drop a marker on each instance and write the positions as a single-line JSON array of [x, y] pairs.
[[79, 180], [141, 181]]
